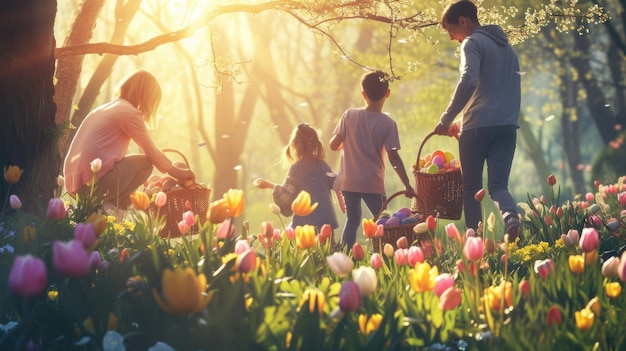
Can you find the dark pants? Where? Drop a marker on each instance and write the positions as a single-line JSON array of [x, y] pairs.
[[374, 203], [496, 145], [125, 177]]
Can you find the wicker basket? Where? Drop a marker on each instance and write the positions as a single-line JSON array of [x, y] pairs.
[[393, 233], [440, 194], [198, 197]]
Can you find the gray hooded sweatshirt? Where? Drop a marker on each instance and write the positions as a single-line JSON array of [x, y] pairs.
[[488, 92]]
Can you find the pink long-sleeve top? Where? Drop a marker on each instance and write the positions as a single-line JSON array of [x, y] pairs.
[[106, 134]]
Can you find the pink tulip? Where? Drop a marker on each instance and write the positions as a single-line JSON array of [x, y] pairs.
[[376, 261], [28, 277], [357, 252], [70, 259], [589, 197], [621, 267], [340, 264], [402, 243], [241, 246], [380, 231], [183, 227], [349, 297], [551, 180], [401, 256], [453, 231], [85, 233], [415, 255], [95, 259], [291, 235], [474, 248], [56, 209], [160, 199], [15, 202], [544, 267], [589, 239], [190, 218], [450, 299], [246, 261], [621, 198], [442, 283]]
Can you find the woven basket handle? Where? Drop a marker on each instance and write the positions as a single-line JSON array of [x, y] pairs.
[[179, 153], [419, 153], [384, 207]]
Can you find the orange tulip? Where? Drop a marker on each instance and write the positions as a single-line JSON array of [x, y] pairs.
[[235, 200], [99, 222], [305, 236], [12, 174], [369, 228], [301, 206], [183, 291], [218, 211], [140, 200]]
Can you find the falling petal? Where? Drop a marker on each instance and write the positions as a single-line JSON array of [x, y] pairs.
[[237, 168], [549, 118], [303, 104], [225, 136], [521, 73], [202, 144]]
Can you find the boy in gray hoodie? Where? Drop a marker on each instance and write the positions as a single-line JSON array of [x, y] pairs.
[[488, 97]]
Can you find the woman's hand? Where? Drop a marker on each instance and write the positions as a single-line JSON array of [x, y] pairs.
[[263, 184]]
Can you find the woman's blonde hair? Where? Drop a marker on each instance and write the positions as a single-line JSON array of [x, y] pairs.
[[141, 89], [304, 141]]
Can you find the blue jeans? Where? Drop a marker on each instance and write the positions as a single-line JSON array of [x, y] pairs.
[[374, 203], [496, 145]]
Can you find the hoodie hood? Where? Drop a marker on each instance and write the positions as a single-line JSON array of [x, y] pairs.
[[495, 33]]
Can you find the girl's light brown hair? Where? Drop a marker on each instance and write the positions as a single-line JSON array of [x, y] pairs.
[[304, 141], [141, 89]]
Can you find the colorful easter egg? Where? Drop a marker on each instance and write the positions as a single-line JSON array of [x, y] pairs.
[[433, 169], [439, 161], [449, 156]]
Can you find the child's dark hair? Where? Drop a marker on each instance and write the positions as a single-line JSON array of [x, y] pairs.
[[304, 141], [457, 9], [375, 84]]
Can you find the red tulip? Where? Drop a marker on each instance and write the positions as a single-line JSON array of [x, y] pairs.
[[551, 180], [524, 288], [431, 222], [450, 299], [28, 276], [326, 232], [349, 297], [402, 243], [480, 194], [554, 316], [544, 267], [621, 198], [246, 261], [357, 252]]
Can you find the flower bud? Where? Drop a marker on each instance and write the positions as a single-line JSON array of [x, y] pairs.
[[388, 250], [56, 209], [376, 261], [480, 194], [402, 243], [357, 252], [96, 165], [554, 316], [442, 283], [85, 233], [246, 261], [450, 299], [15, 202], [160, 199], [474, 248], [401, 256], [349, 297], [551, 180]]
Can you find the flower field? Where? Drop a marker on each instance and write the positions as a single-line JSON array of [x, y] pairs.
[[78, 279]]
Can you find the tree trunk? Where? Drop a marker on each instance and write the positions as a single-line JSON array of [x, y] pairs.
[[569, 132], [28, 132]]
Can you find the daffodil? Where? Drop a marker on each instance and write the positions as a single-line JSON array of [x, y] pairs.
[[301, 206], [182, 291]]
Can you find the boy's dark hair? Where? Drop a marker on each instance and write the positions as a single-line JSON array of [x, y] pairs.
[[457, 9], [375, 84]]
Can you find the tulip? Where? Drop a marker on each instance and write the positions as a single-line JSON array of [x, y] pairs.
[[376, 261], [315, 298], [421, 228], [366, 278], [12, 174], [431, 223], [402, 243], [190, 218], [453, 232], [571, 238], [548, 220], [415, 255], [474, 248], [554, 316], [551, 180], [450, 299], [28, 277], [559, 212], [85, 233], [524, 289], [349, 297], [422, 277], [371, 324], [401, 256], [275, 209], [302, 206], [369, 227], [609, 267], [357, 252], [15, 202], [305, 236], [140, 200], [589, 197], [28, 233], [183, 291], [589, 239], [576, 263], [56, 209], [290, 233], [480, 194], [70, 259], [160, 199], [442, 283], [594, 306], [544, 267], [235, 200], [495, 294], [621, 198], [340, 264], [595, 221], [183, 227], [246, 261], [226, 229], [584, 319], [218, 211], [241, 245], [95, 259], [326, 232], [590, 257], [124, 255], [99, 223], [388, 250], [96, 165], [613, 289], [380, 231]]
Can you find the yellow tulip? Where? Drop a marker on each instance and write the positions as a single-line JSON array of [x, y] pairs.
[[594, 306], [422, 277], [235, 200], [140, 200], [301, 206], [12, 174], [218, 211], [368, 325], [99, 222], [183, 291], [613, 290], [315, 298], [584, 318], [369, 228], [576, 263], [494, 295], [305, 236], [29, 233]]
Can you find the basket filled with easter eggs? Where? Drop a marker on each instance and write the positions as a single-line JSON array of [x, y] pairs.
[[182, 196], [438, 184], [397, 224]]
